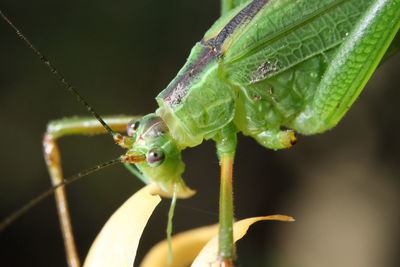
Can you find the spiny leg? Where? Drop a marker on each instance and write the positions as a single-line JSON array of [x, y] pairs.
[[226, 248], [55, 130], [226, 146]]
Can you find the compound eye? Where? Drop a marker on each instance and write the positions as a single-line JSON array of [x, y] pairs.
[[155, 156], [132, 126]]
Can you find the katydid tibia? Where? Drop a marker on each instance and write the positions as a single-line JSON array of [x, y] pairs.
[[263, 66]]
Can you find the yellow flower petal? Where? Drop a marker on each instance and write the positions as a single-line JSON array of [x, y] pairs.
[[209, 254], [117, 243], [187, 245]]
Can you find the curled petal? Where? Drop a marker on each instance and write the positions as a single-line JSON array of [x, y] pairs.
[[209, 254], [185, 247], [188, 244], [117, 243]]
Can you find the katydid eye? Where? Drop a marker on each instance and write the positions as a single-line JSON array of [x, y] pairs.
[[132, 126], [155, 156]]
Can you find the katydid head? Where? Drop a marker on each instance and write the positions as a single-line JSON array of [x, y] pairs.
[[162, 163]]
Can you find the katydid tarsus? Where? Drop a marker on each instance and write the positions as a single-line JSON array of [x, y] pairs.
[[265, 80]]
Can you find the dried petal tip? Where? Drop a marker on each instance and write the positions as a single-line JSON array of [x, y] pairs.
[[209, 253], [280, 217]]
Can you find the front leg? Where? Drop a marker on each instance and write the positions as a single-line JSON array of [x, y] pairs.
[[55, 130], [226, 146]]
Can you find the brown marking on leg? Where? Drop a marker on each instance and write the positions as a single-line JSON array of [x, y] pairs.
[[226, 263], [53, 162]]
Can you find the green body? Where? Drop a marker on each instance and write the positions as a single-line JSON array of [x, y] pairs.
[[268, 65], [263, 66], [279, 65]]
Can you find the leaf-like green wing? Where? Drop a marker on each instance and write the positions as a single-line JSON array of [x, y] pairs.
[[285, 33]]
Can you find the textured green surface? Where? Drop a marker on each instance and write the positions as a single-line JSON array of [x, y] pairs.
[[285, 58], [352, 66], [281, 67], [299, 64], [287, 32], [207, 106]]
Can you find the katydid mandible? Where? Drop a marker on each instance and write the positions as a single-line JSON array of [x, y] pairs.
[[262, 66]]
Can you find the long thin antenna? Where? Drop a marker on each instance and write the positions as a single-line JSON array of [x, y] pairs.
[[60, 77], [18, 213]]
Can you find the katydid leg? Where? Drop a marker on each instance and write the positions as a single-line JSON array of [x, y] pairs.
[[55, 130], [226, 146], [226, 248], [53, 162]]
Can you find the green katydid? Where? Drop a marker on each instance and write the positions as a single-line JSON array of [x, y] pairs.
[[262, 66]]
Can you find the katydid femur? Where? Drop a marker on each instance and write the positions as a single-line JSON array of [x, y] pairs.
[[263, 66]]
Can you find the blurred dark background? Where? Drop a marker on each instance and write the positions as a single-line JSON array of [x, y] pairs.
[[342, 186]]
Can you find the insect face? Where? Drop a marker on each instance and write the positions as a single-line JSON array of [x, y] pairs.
[[163, 157]]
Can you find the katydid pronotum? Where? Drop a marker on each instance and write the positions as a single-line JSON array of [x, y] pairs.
[[265, 68]]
